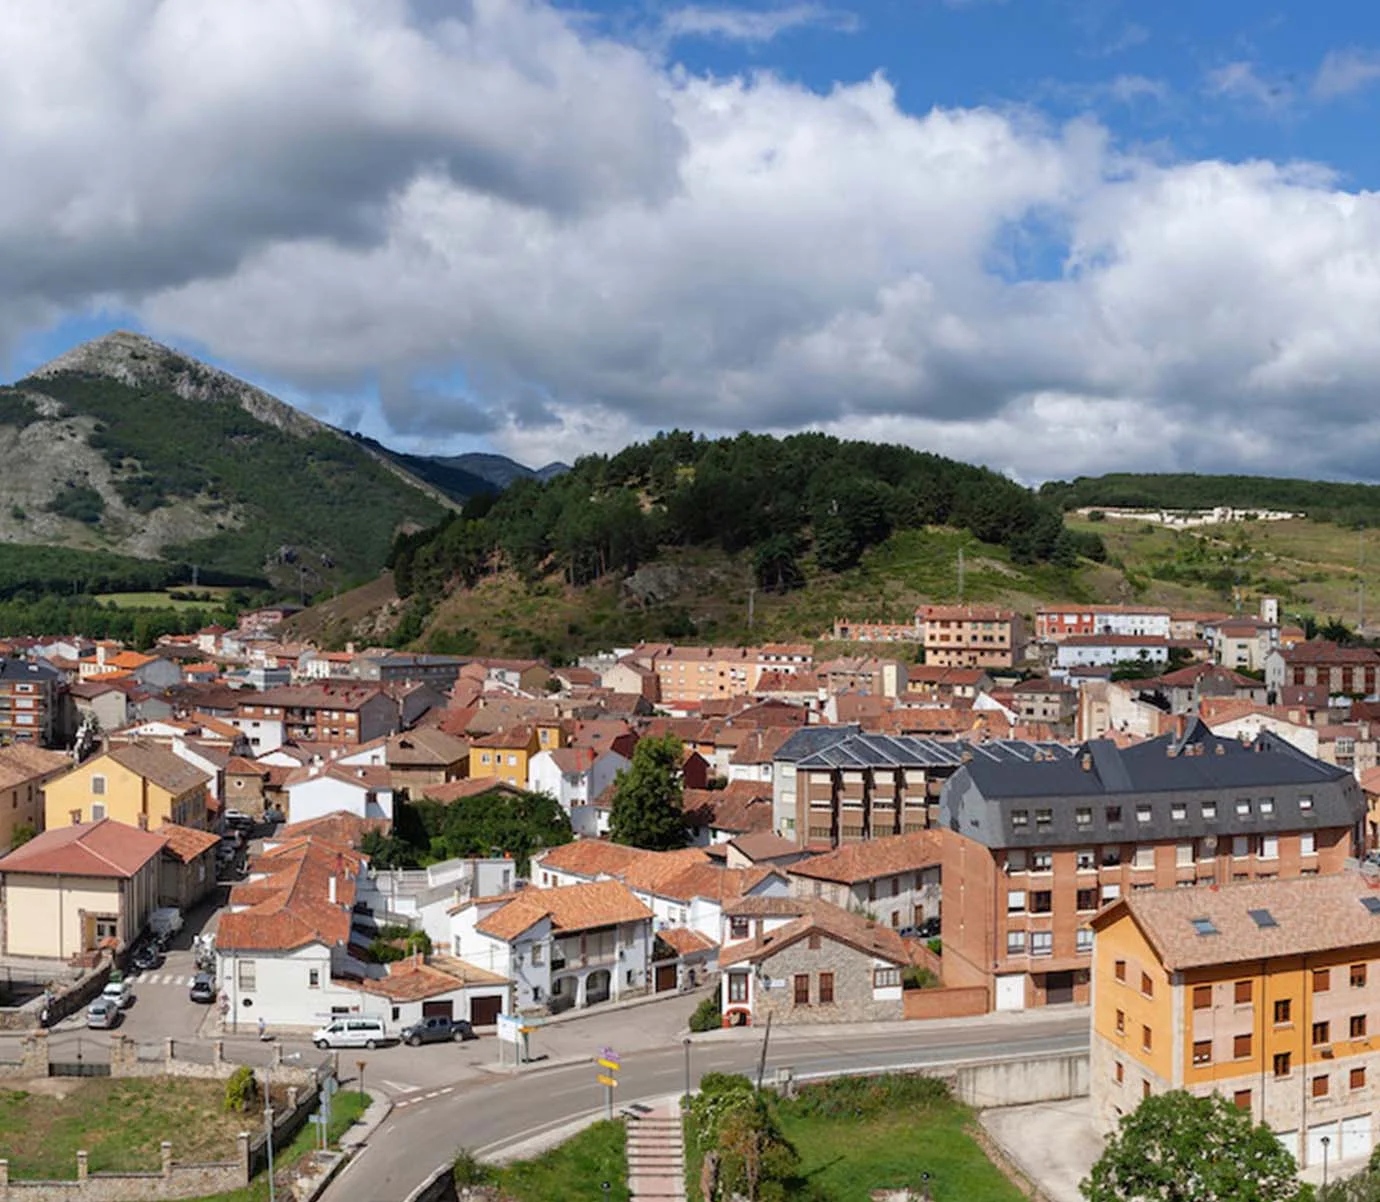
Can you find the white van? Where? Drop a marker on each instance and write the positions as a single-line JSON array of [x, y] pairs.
[[350, 1033]]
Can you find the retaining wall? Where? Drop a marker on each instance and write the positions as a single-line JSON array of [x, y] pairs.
[[959, 1002], [172, 1181], [1018, 1082]]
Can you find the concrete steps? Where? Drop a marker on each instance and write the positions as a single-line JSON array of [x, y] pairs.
[[656, 1155]]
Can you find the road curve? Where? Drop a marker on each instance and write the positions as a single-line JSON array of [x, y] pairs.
[[490, 1114]]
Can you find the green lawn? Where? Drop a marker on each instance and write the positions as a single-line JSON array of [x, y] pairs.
[[163, 600], [575, 1171]]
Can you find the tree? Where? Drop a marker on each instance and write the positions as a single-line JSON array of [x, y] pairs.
[[1177, 1148], [647, 806]]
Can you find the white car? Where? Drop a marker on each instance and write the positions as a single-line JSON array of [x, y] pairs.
[[120, 993]]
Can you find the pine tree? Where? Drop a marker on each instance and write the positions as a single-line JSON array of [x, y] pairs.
[[647, 802]]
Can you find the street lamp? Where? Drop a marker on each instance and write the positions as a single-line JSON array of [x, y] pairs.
[[268, 1128], [1326, 1140], [686, 1041]]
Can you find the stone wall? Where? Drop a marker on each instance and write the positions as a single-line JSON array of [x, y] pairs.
[[172, 1181], [33, 1058], [945, 1003], [67, 1000], [125, 1061], [1018, 1082], [853, 1001]]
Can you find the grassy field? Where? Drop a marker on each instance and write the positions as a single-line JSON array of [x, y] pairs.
[[164, 600], [575, 1171]]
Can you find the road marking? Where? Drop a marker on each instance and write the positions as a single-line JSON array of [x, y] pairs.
[[401, 1086]]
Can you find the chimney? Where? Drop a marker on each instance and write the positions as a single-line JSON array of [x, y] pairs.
[[330, 894]]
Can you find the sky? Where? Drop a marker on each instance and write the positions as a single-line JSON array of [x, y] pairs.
[[1056, 237]]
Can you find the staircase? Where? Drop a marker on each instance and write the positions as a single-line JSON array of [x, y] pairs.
[[656, 1153]]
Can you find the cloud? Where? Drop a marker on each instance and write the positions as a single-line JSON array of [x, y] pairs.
[[753, 26], [1345, 71], [1241, 82], [597, 245]]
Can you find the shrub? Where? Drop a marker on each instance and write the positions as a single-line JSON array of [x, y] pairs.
[[241, 1090], [468, 1169], [935, 945], [862, 1097], [706, 1016], [916, 977]]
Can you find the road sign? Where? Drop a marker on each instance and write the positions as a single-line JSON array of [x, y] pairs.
[[509, 1028], [331, 1087], [611, 1082], [612, 1065], [609, 1054]]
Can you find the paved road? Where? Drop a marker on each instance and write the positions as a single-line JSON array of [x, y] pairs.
[[486, 1116]]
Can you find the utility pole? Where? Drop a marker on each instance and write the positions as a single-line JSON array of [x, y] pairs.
[[762, 1061], [752, 606], [960, 575]]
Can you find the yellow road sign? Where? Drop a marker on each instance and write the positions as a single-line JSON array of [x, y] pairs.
[[612, 1065], [609, 1081]]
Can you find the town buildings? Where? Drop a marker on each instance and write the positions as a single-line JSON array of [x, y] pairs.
[[140, 784], [24, 771], [28, 701], [1340, 670], [1267, 992], [972, 636], [893, 880], [1033, 850]]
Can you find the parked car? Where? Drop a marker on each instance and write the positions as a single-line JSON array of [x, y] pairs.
[[237, 820], [437, 1029], [929, 928], [350, 1033], [103, 1013], [147, 956], [203, 987], [119, 992], [165, 922]]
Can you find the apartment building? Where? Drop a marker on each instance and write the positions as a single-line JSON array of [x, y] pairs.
[[972, 636], [343, 716], [1319, 663], [1034, 850], [1243, 643], [1055, 623], [702, 673], [1266, 992], [28, 701], [865, 786], [893, 880]]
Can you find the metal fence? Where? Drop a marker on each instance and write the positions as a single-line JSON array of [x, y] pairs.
[[78, 1068]]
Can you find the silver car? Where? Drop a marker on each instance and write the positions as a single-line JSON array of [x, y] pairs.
[[103, 1013]]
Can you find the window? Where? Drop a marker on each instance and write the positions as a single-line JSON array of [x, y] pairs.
[[1145, 1089], [1015, 861], [1142, 813], [1147, 986], [813, 942], [1041, 861], [1202, 1051], [1320, 1086], [97, 811], [1020, 818], [1357, 1026], [1041, 901], [1015, 943], [538, 953], [1087, 899], [1241, 1047], [313, 978], [1210, 811], [738, 987], [1015, 901], [1322, 980], [1240, 846], [1269, 847], [1358, 1078], [1121, 1022], [1358, 976], [107, 928], [1110, 893], [1242, 1099], [1243, 808], [1281, 1064], [1082, 816], [1282, 1011], [1083, 940], [1267, 807], [1113, 815], [1308, 844], [1183, 855], [98, 786], [1119, 1072], [1120, 970], [802, 989], [1243, 993], [1202, 997], [882, 978], [1085, 861], [1144, 857], [1305, 804], [826, 988], [74, 816], [1321, 1032], [1041, 943], [1147, 1038], [247, 976], [738, 928], [1043, 817]]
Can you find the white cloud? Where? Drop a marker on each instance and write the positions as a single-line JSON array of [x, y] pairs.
[[1345, 71], [752, 25], [1240, 81], [599, 246]]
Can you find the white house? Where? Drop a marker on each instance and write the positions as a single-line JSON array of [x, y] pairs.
[[317, 789], [264, 734], [563, 947], [574, 776], [424, 897], [1096, 650]]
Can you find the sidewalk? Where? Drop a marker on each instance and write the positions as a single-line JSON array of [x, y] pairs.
[[998, 1021]]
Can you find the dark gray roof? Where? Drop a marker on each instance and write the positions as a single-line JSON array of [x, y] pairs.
[[910, 751], [810, 739], [1150, 791], [27, 669]]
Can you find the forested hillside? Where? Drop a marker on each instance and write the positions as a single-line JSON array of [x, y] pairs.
[[1324, 501], [778, 501]]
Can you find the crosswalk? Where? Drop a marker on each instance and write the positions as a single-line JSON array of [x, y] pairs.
[[162, 978]]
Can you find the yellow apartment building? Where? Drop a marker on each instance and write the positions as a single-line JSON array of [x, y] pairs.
[[140, 784], [1267, 992], [506, 754]]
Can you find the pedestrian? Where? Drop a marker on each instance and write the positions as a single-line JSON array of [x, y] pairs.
[[263, 1029]]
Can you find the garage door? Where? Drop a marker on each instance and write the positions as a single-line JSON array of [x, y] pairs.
[[1356, 1141], [1290, 1140], [1315, 1146], [1011, 991], [437, 1010], [484, 1011], [665, 977]]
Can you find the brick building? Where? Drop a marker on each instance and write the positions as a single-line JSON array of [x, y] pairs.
[[1244, 991], [340, 715], [972, 636], [28, 701], [1318, 663], [1033, 850], [1053, 624]]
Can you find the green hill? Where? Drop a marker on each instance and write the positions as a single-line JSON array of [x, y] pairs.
[[124, 446]]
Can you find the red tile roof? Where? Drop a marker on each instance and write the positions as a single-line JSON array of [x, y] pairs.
[[185, 843], [342, 828], [831, 922], [570, 908], [104, 849], [290, 906], [685, 942], [873, 858]]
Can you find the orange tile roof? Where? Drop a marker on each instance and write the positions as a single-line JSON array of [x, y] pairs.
[[873, 858], [591, 857], [570, 908], [741, 807], [416, 978], [105, 849], [515, 737], [186, 843], [685, 942], [341, 828], [457, 790], [832, 922], [22, 762], [290, 906]]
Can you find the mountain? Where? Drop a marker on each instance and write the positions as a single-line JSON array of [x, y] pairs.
[[499, 470], [124, 445], [440, 473]]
